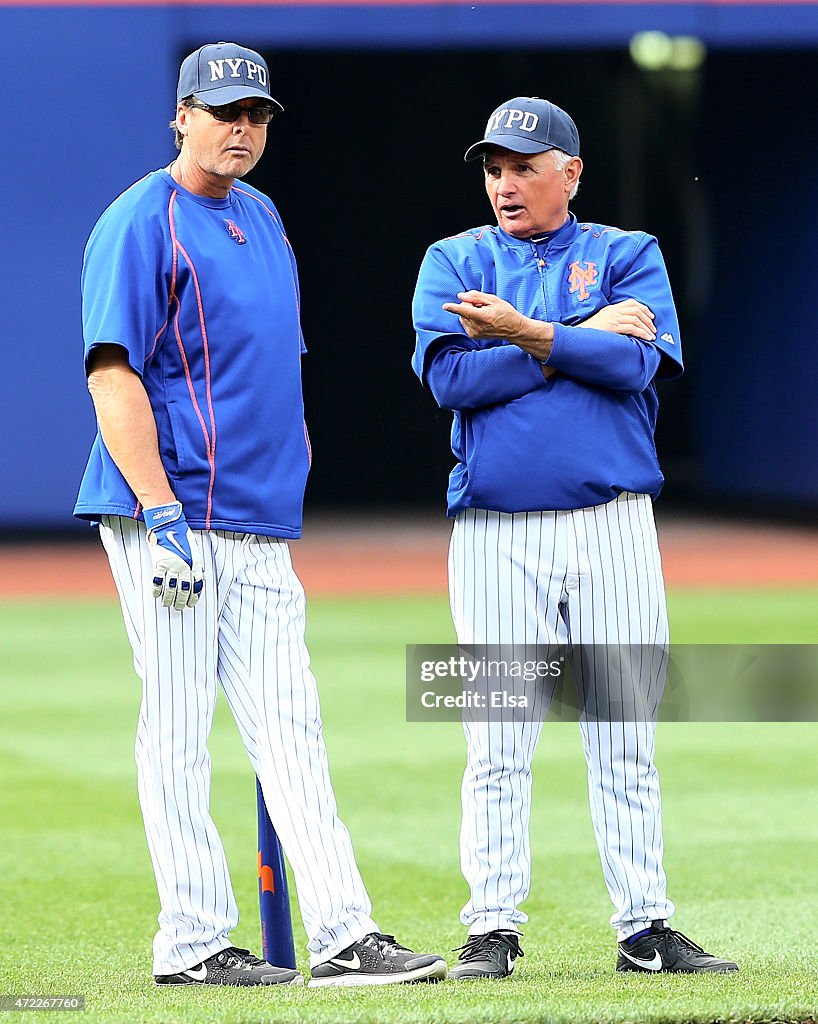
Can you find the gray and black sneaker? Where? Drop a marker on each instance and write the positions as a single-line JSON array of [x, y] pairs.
[[488, 956], [660, 949], [232, 966], [378, 960]]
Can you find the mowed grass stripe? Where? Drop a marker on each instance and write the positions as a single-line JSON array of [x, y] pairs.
[[78, 897]]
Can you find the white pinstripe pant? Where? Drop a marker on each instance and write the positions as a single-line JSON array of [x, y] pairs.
[[587, 576], [246, 634]]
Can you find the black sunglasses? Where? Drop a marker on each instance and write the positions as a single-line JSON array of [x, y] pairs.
[[262, 114]]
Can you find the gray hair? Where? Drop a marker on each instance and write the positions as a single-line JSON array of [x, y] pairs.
[[178, 138], [561, 158]]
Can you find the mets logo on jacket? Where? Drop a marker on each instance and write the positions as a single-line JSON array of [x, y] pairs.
[[581, 278]]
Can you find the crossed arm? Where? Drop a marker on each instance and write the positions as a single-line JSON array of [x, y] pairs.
[[462, 378], [488, 316]]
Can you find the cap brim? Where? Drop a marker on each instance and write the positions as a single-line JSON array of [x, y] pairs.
[[512, 142], [231, 93]]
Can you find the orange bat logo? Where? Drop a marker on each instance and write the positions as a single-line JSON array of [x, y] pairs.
[[266, 876]]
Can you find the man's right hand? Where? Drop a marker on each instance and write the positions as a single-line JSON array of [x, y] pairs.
[[177, 569], [626, 317]]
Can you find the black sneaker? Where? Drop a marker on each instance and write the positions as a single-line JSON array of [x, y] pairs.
[[488, 956], [232, 966], [378, 960], [663, 950]]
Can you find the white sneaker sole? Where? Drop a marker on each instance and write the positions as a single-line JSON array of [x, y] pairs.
[[297, 980], [432, 972]]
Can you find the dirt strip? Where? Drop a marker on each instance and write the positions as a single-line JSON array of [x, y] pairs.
[[401, 556]]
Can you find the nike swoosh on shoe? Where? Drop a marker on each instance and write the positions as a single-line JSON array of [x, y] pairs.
[[654, 964], [353, 964], [196, 973]]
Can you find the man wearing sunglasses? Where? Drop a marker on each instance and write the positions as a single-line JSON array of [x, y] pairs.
[[196, 478]]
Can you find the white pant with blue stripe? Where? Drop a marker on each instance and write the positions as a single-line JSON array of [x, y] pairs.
[[246, 634], [587, 576]]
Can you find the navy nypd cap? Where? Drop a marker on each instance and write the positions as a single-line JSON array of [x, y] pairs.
[[528, 124], [220, 73]]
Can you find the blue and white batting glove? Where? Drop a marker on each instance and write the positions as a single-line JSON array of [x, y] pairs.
[[177, 569]]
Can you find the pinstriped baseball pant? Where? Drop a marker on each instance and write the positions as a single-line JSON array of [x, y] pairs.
[[246, 634], [587, 576]]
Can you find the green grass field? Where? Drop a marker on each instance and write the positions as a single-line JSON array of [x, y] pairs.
[[77, 894]]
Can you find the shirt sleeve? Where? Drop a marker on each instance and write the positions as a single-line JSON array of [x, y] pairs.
[[462, 378], [296, 281], [124, 290], [621, 362], [460, 372]]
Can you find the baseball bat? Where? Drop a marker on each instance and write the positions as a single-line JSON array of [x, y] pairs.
[[277, 946]]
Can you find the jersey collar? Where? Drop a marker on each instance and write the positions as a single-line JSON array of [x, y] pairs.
[[558, 239], [210, 201]]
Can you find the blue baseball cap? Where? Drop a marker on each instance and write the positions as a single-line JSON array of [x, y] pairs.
[[220, 73], [528, 124]]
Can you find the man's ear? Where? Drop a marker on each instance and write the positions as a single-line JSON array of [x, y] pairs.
[[181, 118], [573, 170]]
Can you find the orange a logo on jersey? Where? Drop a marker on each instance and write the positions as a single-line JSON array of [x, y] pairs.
[[235, 232], [582, 278]]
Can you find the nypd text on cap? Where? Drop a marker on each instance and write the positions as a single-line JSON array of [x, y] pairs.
[[220, 73], [528, 124]]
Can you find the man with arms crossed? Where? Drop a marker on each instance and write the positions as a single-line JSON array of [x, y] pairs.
[[545, 337], [192, 348]]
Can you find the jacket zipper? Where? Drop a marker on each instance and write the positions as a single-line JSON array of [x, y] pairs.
[[541, 269]]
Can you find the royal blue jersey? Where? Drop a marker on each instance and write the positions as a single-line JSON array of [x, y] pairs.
[[581, 437], [203, 296]]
